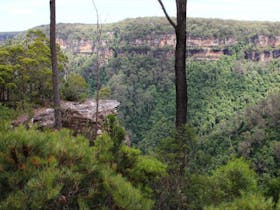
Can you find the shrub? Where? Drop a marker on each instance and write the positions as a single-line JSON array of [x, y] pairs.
[[54, 170], [75, 88]]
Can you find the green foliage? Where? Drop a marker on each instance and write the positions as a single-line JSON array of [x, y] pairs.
[[25, 70], [231, 180], [253, 134], [104, 93], [226, 184], [59, 171], [125, 195], [221, 88], [138, 28], [138, 100], [273, 189], [233, 109], [217, 90], [74, 88], [6, 113], [179, 149], [249, 201], [179, 152], [142, 79], [147, 166], [225, 29], [39, 165]]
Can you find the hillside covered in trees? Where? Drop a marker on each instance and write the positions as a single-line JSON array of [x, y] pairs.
[[227, 157], [137, 56]]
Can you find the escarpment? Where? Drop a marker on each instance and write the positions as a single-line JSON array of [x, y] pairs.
[[208, 39], [258, 47]]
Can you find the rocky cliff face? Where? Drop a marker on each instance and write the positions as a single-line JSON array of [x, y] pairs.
[[83, 46], [265, 41], [265, 47], [208, 38], [263, 55], [79, 117]]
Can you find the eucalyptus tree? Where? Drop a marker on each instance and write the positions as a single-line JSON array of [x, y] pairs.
[[56, 98], [180, 60]]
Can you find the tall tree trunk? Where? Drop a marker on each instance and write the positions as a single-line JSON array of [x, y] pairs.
[[180, 60], [56, 98], [96, 99], [97, 42], [180, 64]]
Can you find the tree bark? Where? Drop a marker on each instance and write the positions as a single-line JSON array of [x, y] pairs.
[[180, 60], [180, 64], [56, 98]]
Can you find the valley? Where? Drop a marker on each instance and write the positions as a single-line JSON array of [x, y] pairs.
[[228, 153]]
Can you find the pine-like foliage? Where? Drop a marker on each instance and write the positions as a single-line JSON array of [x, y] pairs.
[[53, 170], [247, 201]]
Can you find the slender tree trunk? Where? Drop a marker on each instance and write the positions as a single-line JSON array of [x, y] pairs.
[[96, 98], [180, 60], [180, 64], [97, 42], [56, 98]]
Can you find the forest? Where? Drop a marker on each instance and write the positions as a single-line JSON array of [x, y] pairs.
[[226, 157]]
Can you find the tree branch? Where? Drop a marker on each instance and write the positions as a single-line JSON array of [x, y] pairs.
[[166, 14], [96, 10]]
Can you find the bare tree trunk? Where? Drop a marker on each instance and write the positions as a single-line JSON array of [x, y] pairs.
[[180, 60], [96, 97], [56, 98], [180, 64], [98, 39]]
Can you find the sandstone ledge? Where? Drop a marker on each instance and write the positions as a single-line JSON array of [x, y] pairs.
[[77, 116]]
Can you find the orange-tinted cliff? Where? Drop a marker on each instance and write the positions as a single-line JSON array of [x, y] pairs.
[[262, 48]]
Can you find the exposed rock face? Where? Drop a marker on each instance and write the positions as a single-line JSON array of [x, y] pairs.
[[81, 46], [164, 44], [158, 40], [265, 41], [80, 117], [262, 55]]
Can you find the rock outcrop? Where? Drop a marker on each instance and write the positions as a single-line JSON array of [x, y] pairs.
[[79, 117]]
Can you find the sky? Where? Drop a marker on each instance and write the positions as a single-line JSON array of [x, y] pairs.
[[18, 15]]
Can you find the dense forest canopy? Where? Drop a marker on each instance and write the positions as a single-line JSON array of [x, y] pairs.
[[197, 27], [218, 89]]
